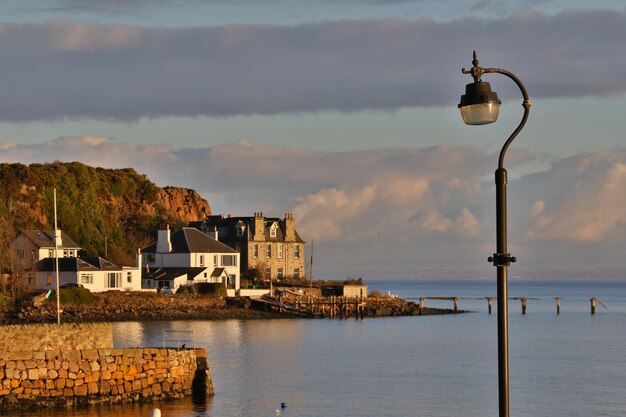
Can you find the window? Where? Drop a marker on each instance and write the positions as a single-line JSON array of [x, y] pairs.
[[280, 272], [201, 260], [296, 251], [232, 280], [129, 277], [49, 280], [86, 278], [50, 253], [214, 260], [296, 272], [240, 229], [273, 230], [113, 279], [150, 257], [31, 278], [280, 250], [229, 260], [268, 251], [268, 273], [255, 250], [65, 254]]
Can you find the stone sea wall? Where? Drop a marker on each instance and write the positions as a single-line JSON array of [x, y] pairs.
[[61, 371]]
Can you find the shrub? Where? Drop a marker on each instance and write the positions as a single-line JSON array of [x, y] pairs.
[[214, 289], [73, 295]]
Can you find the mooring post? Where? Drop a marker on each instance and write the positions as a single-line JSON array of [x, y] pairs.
[[593, 305], [421, 304], [523, 305], [489, 300], [558, 305], [456, 304]]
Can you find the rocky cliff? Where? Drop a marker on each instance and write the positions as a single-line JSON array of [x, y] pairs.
[[94, 204]]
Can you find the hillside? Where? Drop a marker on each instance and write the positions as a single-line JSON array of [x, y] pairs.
[[93, 203]]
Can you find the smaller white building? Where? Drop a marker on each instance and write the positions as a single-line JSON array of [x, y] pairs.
[[32, 246], [94, 273], [186, 257]]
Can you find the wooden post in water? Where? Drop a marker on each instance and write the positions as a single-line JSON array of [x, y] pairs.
[[523, 305], [593, 305], [489, 300], [558, 305], [421, 306], [456, 304]]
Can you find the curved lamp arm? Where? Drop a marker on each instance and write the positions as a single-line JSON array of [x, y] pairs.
[[476, 72]]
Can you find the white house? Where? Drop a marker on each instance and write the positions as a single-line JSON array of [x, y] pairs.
[[32, 246], [189, 256], [94, 273]]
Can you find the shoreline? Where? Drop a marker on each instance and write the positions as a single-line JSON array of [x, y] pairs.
[[136, 306]]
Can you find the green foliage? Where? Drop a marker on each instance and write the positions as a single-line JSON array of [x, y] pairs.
[[214, 289], [187, 289], [92, 203], [74, 295]]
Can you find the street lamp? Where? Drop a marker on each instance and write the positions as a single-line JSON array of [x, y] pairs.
[[481, 106]]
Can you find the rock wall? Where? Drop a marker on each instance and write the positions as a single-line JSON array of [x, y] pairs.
[[44, 337], [62, 378]]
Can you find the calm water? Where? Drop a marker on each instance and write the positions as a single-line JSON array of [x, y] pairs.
[[567, 365]]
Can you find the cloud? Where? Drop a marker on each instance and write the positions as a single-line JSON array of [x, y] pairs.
[[114, 72], [579, 199]]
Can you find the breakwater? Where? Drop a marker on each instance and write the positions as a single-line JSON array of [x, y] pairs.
[[55, 374]]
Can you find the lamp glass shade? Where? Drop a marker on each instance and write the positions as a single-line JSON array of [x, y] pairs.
[[480, 114], [479, 105]]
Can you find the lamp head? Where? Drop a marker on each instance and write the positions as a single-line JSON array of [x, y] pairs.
[[479, 105]]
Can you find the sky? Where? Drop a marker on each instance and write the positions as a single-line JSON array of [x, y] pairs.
[[344, 113]]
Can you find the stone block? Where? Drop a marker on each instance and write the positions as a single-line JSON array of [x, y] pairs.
[[80, 390], [74, 367], [92, 388], [71, 355], [10, 365], [105, 375], [59, 383], [68, 392], [50, 384], [71, 375], [94, 367], [21, 356], [30, 364], [69, 383], [20, 365], [17, 390], [33, 374], [105, 388], [90, 354], [63, 373], [52, 374], [39, 355], [136, 385], [43, 372]]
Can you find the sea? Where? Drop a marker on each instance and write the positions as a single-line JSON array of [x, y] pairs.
[[569, 364]]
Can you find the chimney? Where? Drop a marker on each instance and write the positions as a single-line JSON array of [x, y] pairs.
[[213, 233], [290, 231], [138, 259], [58, 241], [164, 245], [259, 227]]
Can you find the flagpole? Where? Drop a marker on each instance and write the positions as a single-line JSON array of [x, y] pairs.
[[56, 257]]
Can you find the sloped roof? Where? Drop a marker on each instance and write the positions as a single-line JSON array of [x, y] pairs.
[[45, 239], [65, 265], [167, 274], [100, 263], [227, 228], [191, 240]]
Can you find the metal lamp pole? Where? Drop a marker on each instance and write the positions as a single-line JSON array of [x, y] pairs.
[[485, 111]]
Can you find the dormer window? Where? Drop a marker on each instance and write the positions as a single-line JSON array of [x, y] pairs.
[[273, 228], [241, 228]]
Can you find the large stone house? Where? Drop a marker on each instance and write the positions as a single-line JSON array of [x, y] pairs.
[[189, 256], [269, 245]]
